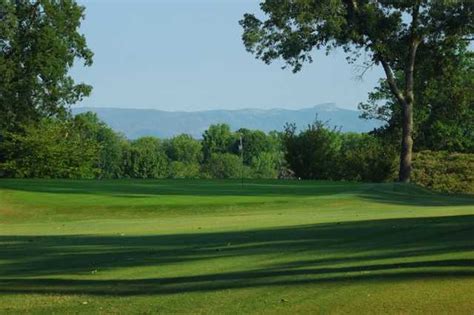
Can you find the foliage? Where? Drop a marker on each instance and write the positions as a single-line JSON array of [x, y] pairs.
[[217, 139], [110, 144], [184, 170], [444, 111], [444, 171], [184, 148], [264, 165], [224, 165], [366, 158], [39, 43], [51, 149], [388, 33], [322, 153], [312, 153], [146, 159]]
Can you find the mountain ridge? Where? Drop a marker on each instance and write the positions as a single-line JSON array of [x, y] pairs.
[[135, 123]]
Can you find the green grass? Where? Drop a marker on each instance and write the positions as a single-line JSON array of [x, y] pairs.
[[214, 247]]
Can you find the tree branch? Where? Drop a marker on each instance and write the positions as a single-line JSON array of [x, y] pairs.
[[391, 81]]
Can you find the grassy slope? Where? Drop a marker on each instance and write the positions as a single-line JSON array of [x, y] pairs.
[[215, 247]]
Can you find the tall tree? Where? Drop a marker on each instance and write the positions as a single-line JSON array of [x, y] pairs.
[[444, 111], [389, 32], [39, 43]]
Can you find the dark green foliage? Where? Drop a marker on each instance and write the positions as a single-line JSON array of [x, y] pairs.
[[146, 159], [51, 149], [217, 139], [444, 171], [366, 158], [254, 142], [185, 154], [179, 169], [312, 153], [322, 153], [224, 165], [110, 144], [444, 113], [184, 148], [39, 43]]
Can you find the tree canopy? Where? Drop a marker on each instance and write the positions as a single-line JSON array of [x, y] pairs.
[[39, 43], [389, 33]]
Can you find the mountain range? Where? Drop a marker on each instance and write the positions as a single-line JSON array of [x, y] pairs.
[[135, 123]]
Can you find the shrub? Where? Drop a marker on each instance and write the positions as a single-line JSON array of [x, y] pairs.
[[365, 158], [444, 171]]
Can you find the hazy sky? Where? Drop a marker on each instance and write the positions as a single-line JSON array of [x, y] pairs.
[[188, 55]]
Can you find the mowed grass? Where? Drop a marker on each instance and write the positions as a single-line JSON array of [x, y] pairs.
[[215, 247]]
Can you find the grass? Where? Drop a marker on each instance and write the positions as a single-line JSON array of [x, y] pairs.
[[214, 247]]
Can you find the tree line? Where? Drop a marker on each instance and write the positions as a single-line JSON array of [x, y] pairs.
[[85, 147], [426, 97]]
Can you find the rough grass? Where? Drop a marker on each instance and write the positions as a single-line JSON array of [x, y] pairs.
[[215, 247]]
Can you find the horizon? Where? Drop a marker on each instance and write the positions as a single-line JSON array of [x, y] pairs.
[[188, 56], [217, 109]]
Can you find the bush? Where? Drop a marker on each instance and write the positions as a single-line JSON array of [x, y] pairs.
[[312, 154], [365, 158], [443, 171]]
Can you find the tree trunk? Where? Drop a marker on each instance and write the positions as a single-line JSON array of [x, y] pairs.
[[407, 142]]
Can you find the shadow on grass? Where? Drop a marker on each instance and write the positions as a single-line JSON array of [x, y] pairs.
[[392, 193], [378, 250]]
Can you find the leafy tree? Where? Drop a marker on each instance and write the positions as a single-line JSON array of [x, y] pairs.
[[264, 165], [147, 159], [254, 142], [444, 115], [224, 165], [389, 32], [110, 143], [312, 154], [184, 148], [39, 43], [217, 139], [51, 148]]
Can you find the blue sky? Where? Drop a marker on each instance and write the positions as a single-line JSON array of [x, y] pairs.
[[188, 55]]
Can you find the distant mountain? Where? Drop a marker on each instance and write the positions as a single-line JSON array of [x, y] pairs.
[[135, 123]]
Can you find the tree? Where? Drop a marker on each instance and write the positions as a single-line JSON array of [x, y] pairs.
[[39, 43], [389, 32], [184, 148], [217, 139], [254, 143], [110, 143], [224, 165], [312, 154], [444, 87], [52, 148], [147, 159]]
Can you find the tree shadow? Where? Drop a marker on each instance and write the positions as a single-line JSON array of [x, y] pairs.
[[377, 250]]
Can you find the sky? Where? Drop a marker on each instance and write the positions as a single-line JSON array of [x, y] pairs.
[[188, 55]]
